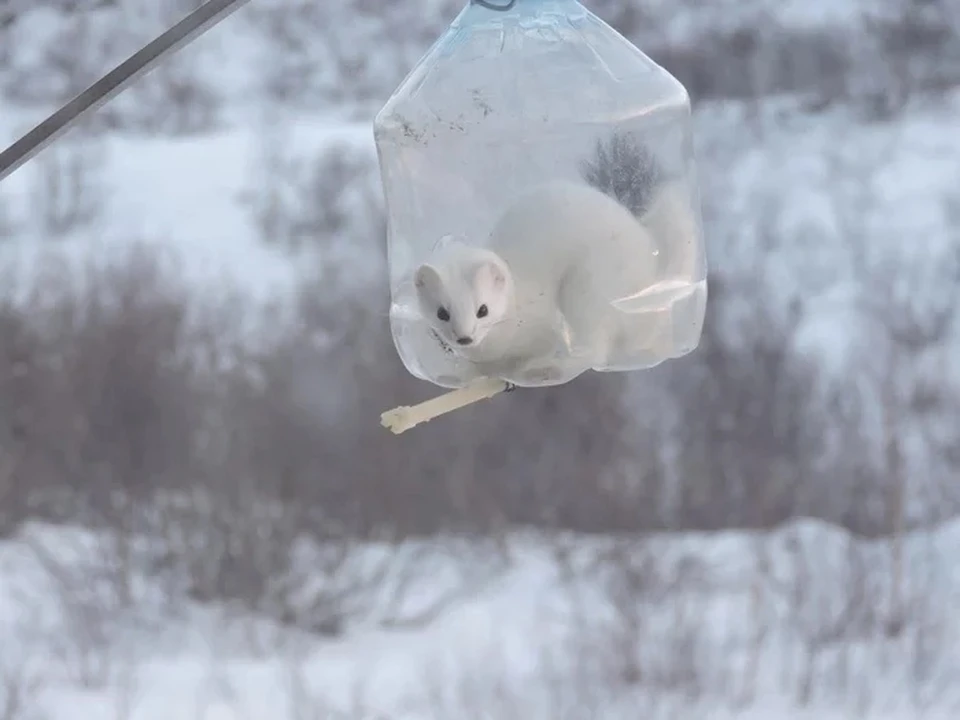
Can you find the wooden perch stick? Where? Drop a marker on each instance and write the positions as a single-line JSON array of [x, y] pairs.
[[402, 418]]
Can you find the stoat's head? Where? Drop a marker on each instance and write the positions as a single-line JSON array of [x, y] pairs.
[[463, 292]]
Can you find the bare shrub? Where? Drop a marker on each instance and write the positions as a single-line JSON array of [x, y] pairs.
[[330, 200], [654, 639], [830, 608], [296, 73], [21, 690], [24, 671], [495, 692], [305, 703], [103, 420], [8, 224], [20, 353], [68, 194], [297, 565], [71, 54], [905, 341], [82, 40], [911, 48], [630, 578], [822, 596], [180, 95], [319, 54], [123, 396], [552, 686], [92, 591], [803, 610], [98, 596], [746, 443], [173, 99], [759, 60], [243, 548]]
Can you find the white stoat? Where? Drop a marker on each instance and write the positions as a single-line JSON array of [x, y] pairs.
[[539, 294]]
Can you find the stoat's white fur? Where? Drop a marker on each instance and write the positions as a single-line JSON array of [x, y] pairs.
[[536, 303]]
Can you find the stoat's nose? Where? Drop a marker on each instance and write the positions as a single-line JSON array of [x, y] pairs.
[[464, 340]]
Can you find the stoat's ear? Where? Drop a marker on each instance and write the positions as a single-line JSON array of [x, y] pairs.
[[427, 278], [491, 274]]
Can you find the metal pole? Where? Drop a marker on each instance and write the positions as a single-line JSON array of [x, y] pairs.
[[180, 35]]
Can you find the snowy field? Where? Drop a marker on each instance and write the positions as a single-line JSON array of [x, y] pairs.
[[793, 624]]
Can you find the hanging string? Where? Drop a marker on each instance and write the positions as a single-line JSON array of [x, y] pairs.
[[181, 34]]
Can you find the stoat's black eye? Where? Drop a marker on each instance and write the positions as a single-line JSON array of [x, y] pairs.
[[482, 311], [443, 315]]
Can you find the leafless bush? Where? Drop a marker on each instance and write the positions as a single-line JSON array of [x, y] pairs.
[[746, 443], [117, 415], [307, 203], [297, 72], [20, 352], [24, 671], [639, 621], [180, 95], [83, 40], [8, 225], [821, 600], [173, 99], [74, 51], [317, 55], [320, 54], [804, 610], [493, 691], [760, 60], [103, 414], [121, 409], [629, 577], [306, 703], [246, 549], [911, 48], [256, 554], [68, 193], [906, 329], [830, 608], [554, 687], [901, 52], [89, 596], [21, 688]]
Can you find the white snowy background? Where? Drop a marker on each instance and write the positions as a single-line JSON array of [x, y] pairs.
[[200, 516]]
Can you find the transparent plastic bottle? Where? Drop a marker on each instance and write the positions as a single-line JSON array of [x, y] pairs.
[[505, 104]]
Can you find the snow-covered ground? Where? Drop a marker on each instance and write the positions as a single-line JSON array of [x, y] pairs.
[[191, 196], [790, 624]]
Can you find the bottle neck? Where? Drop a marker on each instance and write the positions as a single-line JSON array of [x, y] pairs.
[[496, 5], [505, 5], [497, 11]]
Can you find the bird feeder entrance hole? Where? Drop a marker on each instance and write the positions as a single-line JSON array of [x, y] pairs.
[[542, 202]]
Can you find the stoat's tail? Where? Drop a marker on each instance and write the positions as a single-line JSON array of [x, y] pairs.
[[672, 219]]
